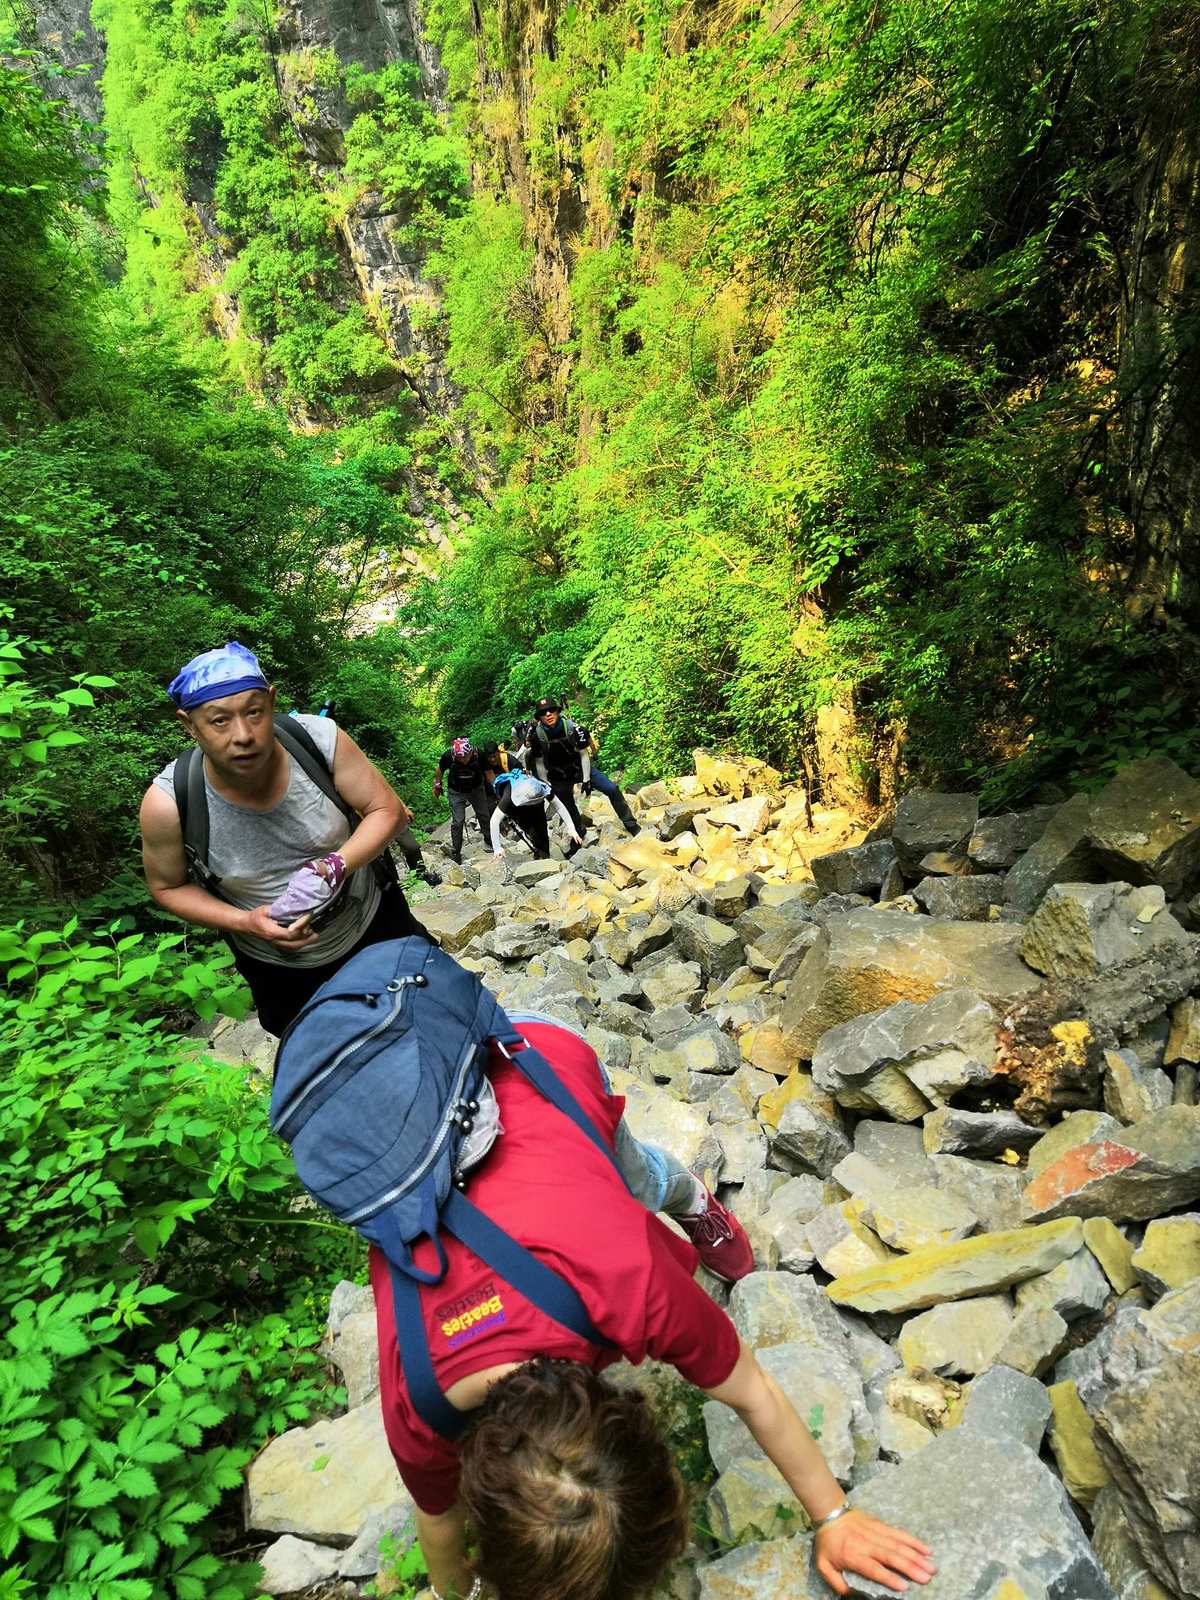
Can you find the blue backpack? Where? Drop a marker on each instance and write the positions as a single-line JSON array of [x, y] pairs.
[[376, 1084]]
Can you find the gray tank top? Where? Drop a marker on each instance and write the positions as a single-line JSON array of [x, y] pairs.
[[254, 853]]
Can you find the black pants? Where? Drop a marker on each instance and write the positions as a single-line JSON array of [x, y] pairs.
[[564, 790], [280, 992], [459, 800], [532, 822]]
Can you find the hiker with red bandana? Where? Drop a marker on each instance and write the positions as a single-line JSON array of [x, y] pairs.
[[461, 767]]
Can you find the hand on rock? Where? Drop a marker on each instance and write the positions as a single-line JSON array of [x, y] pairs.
[[861, 1543]]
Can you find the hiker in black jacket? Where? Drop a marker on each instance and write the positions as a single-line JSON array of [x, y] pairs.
[[462, 769], [554, 755]]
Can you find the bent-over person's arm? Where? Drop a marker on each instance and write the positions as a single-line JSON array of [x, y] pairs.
[[856, 1541], [444, 1546]]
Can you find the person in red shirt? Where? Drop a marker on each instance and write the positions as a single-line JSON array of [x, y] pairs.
[[570, 1491]]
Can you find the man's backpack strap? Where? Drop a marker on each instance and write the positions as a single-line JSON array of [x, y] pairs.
[[298, 742], [519, 1268], [191, 801]]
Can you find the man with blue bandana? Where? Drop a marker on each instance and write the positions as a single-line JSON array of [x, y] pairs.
[[283, 879]]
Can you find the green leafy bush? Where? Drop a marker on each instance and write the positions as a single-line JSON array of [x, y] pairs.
[[153, 1275]]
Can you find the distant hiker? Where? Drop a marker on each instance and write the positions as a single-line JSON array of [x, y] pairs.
[[462, 768], [496, 762], [593, 778], [263, 831], [521, 799], [554, 754]]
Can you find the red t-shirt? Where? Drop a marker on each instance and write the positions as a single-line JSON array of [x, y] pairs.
[[547, 1185]]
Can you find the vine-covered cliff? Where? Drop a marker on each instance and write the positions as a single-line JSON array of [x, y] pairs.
[[816, 378]]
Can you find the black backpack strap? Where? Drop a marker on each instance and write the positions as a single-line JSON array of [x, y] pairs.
[[547, 1082], [191, 801], [300, 744]]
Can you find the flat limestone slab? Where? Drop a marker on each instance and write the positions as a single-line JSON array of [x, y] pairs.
[[980, 1265]]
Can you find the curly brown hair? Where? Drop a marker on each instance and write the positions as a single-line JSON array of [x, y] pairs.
[[570, 1489]]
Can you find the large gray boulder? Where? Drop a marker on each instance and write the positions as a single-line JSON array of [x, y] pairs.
[[1148, 1435], [990, 1511], [908, 1056], [965, 899], [1061, 855], [1147, 1170], [456, 918], [861, 869], [926, 820], [1144, 826], [867, 960], [1005, 1404], [324, 1481], [778, 1569], [713, 944], [998, 842]]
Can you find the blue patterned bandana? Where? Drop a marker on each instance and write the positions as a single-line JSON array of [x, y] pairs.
[[217, 673]]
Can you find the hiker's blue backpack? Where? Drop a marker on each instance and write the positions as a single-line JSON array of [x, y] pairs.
[[376, 1084]]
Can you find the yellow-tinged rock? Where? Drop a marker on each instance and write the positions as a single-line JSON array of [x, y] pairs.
[[797, 1086], [1169, 1254], [953, 1271], [1183, 1043], [1112, 1250], [766, 1048], [1073, 1440]]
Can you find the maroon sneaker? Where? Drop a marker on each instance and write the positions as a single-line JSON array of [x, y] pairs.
[[720, 1240]]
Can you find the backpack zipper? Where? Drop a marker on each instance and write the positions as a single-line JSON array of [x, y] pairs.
[[372, 1207], [396, 989]]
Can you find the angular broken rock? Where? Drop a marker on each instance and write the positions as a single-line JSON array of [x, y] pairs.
[[1061, 855], [825, 1389], [712, 944], [751, 1496], [1082, 928], [1183, 1042], [1132, 1091], [1075, 1288], [808, 1138], [1169, 1257], [1034, 1342], [291, 1565], [858, 870], [997, 842], [956, 1340], [973, 1266], [897, 1059], [914, 1219], [1119, 1555], [1155, 1168], [993, 1514], [324, 1481], [1005, 1404], [776, 1570], [899, 1151], [1112, 1250], [1076, 1128], [926, 820], [1145, 824], [868, 960], [1073, 1441], [949, 1131], [963, 899], [841, 1243], [1148, 1435], [991, 1191], [455, 919], [771, 1308]]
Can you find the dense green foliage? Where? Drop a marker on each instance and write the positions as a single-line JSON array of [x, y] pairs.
[[834, 420]]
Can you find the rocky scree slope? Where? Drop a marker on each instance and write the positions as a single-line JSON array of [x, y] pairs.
[[946, 1077]]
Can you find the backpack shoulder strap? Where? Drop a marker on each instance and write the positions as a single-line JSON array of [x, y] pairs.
[[541, 1285], [191, 801], [533, 1064], [300, 744]]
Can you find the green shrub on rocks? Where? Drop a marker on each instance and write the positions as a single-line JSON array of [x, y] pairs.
[[153, 1275]]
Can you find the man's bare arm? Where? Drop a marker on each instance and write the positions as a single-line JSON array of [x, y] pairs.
[[361, 784]]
